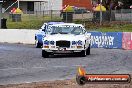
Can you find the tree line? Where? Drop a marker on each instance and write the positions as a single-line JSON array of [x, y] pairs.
[[116, 4]]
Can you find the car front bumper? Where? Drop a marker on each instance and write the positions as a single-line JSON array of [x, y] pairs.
[[63, 50]]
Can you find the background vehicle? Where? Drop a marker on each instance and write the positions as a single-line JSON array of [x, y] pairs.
[[66, 38], [39, 35], [80, 10]]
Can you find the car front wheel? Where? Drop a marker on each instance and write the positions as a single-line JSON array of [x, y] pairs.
[[45, 54], [88, 50], [37, 44], [83, 53]]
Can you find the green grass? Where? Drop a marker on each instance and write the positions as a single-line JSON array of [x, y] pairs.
[[109, 27], [114, 28], [30, 22], [25, 24], [35, 22], [117, 28]]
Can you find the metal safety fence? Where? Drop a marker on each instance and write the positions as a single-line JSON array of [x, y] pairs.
[[35, 19]]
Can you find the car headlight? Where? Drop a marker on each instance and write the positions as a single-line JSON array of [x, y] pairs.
[[79, 42], [73, 42], [46, 42], [52, 42]]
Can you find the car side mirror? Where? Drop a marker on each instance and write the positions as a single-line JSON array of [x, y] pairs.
[[84, 32], [43, 30]]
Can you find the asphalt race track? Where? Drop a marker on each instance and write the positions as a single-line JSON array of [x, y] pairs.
[[23, 63]]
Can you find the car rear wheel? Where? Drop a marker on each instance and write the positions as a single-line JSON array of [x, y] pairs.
[[37, 44], [45, 54], [88, 50]]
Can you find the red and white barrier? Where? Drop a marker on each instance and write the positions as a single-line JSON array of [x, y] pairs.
[[127, 40]]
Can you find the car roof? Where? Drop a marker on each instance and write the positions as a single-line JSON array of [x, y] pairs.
[[70, 24], [52, 23]]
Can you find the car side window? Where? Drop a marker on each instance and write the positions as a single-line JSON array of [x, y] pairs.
[[76, 30]]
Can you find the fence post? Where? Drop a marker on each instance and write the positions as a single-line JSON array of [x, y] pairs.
[[0, 13], [131, 15], [30, 19], [82, 17], [51, 15], [36, 13], [66, 16], [110, 15], [101, 12], [121, 16], [43, 15]]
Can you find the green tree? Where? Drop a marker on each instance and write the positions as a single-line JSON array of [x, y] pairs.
[[126, 3], [111, 4]]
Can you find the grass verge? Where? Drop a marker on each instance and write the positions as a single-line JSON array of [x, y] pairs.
[[35, 22]]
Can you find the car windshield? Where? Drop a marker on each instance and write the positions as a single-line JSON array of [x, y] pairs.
[[66, 30]]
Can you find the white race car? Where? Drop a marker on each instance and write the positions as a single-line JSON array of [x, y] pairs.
[[66, 38]]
